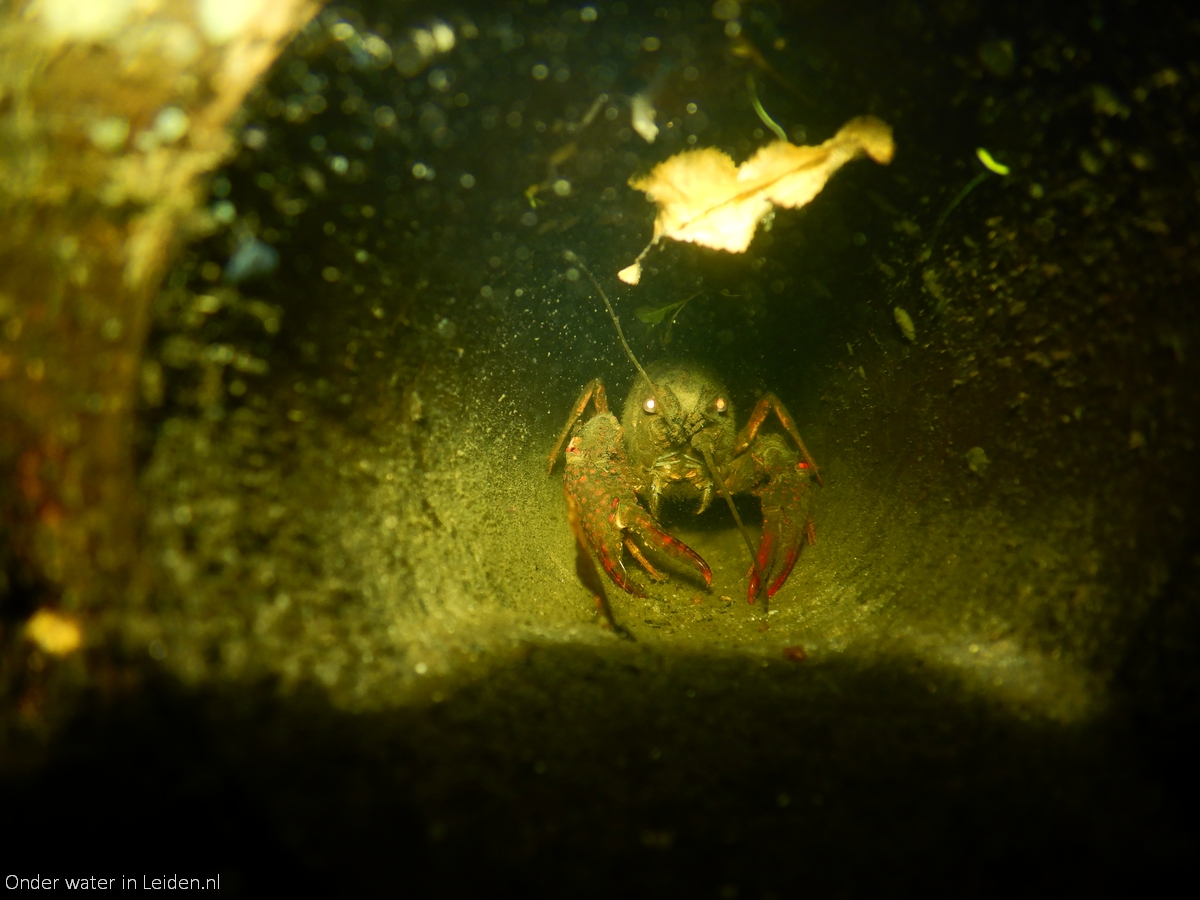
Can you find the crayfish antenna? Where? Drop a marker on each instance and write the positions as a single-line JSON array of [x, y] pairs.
[[758, 578]]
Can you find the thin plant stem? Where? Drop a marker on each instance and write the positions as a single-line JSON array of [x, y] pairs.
[[762, 113]]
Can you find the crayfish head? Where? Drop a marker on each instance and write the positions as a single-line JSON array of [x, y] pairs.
[[666, 426]]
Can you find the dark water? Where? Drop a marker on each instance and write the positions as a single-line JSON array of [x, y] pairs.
[[367, 658]]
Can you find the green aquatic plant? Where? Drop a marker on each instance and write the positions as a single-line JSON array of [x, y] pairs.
[[653, 316], [990, 163], [762, 113], [990, 166]]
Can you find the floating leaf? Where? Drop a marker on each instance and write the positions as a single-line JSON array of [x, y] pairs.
[[705, 199]]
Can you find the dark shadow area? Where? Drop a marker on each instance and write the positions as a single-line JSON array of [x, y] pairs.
[[344, 501], [572, 771], [1159, 682]]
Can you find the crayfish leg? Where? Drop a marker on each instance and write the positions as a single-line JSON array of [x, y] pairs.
[[594, 392], [766, 404]]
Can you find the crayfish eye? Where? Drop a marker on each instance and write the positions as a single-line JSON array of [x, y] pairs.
[[720, 405], [649, 405]]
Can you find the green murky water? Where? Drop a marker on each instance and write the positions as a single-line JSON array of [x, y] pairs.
[[366, 579]]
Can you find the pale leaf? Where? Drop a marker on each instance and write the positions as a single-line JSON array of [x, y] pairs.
[[703, 198], [643, 115]]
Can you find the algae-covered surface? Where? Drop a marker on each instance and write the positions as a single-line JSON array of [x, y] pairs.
[[367, 656]]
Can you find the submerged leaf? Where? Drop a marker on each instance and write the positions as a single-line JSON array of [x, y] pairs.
[[705, 199], [644, 114], [652, 316]]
